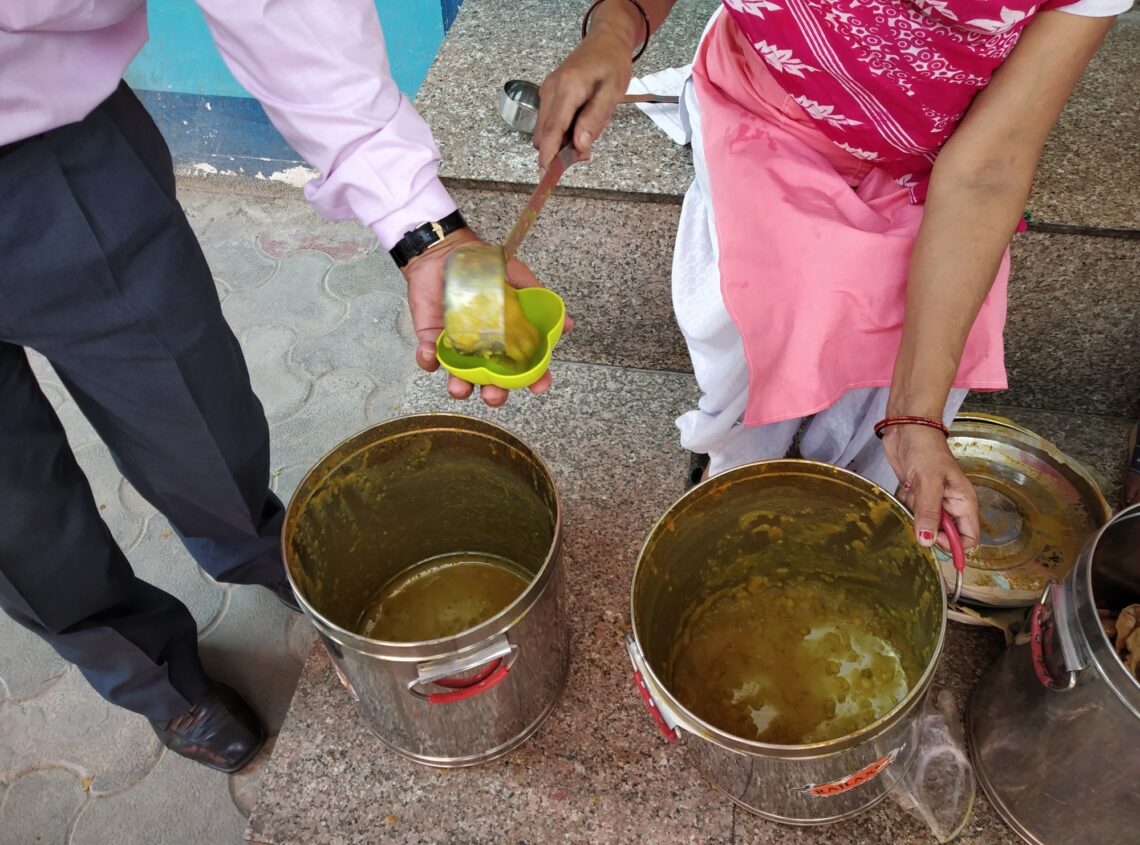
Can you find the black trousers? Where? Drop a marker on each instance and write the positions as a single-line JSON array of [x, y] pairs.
[[101, 273]]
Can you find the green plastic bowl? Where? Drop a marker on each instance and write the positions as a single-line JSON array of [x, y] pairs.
[[546, 310]]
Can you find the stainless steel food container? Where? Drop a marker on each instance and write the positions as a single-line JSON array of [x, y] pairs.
[[406, 491], [1054, 726], [708, 541]]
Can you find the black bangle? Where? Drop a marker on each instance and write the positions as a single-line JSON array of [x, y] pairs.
[[644, 18], [418, 240]]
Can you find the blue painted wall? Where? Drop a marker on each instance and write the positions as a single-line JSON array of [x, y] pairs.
[[207, 117]]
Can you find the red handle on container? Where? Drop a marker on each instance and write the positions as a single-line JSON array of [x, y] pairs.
[[470, 680], [1041, 649], [465, 688], [957, 552], [669, 733]]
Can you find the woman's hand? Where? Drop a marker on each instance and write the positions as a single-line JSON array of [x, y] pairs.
[[978, 190], [592, 79], [932, 480], [424, 275]]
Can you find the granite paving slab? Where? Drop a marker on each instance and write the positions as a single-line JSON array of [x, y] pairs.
[[608, 436], [331, 782], [611, 260], [492, 42], [596, 771], [1090, 170], [1087, 177], [1072, 343]]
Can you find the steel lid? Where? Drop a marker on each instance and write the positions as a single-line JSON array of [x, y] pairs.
[[1038, 507]]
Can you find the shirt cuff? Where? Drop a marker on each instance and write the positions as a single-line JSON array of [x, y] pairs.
[[430, 204]]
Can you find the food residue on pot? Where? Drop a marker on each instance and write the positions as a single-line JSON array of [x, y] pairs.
[[442, 597], [1123, 631], [791, 662]]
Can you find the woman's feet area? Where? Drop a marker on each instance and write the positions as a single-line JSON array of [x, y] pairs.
[[698, 469]]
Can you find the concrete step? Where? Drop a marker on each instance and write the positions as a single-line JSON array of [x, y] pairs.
[[1072, 343], [610, 259], [605, 239]]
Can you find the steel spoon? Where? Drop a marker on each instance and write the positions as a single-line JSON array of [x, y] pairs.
[[519, 102], [474, 277]]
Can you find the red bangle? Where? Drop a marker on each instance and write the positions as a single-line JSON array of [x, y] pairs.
[[883, 424], [644, 17]]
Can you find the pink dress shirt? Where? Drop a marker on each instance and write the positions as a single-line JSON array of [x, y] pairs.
[[319, 70]]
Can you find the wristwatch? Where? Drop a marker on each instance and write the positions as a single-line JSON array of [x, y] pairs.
[[423, 237]]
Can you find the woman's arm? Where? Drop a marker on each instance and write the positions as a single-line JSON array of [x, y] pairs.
[[978, 190], [595, 76]]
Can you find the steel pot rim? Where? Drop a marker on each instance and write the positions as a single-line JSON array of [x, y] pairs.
[[702, 729], [1102, 655], [501, 622]]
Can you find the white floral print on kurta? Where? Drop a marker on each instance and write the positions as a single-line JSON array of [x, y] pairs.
[[821, 112], [753, 7], [1009, 17], [938, 7], [866, 155], [782, 60]]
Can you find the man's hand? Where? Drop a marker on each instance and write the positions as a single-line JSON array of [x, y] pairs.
[[424, 274]]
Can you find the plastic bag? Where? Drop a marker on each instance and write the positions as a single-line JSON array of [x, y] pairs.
[[940, 786]]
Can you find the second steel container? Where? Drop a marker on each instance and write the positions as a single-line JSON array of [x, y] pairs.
[[845, 531]]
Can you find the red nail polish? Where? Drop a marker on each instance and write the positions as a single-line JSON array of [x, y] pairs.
[[925, 535]]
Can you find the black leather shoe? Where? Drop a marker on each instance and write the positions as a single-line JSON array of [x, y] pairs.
[[285, 594], [220, 731], [698, 463]]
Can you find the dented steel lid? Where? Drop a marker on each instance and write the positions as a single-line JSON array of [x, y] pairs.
[[1038, 507]]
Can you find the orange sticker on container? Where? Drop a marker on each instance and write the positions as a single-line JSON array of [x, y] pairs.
[[865, 774]]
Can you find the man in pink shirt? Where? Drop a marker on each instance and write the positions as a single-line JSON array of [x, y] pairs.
[[102, 274]]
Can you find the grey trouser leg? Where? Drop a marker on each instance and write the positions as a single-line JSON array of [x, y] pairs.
[[101, 273]]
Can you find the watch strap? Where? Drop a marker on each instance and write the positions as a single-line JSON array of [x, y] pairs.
[[419, 239]]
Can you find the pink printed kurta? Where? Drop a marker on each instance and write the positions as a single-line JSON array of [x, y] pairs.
[[886, 80], [812, 272]]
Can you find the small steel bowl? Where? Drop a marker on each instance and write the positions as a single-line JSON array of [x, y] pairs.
[[518, 104]]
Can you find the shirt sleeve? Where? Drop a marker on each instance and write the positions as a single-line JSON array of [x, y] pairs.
[[1095, 8], [321, 72]]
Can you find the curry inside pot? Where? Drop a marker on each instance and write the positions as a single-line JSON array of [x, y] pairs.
[[792, 661], [442, 597], [788, 603]]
